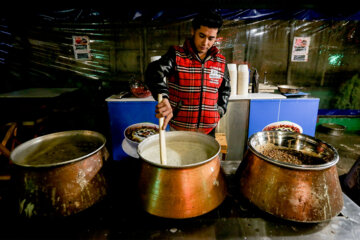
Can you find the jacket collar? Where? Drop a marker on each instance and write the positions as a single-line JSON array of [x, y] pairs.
[[192, 52]]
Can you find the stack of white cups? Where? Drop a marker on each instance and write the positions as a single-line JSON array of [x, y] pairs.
[[233, 78], [239, 78], [243, 79]]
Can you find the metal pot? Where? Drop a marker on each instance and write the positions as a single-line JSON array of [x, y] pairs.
[[59, 174], [332, 129], [301, 193], [288, 89], [182, 191]]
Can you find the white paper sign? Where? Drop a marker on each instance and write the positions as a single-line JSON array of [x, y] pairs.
[[81, 46], [300, 49]]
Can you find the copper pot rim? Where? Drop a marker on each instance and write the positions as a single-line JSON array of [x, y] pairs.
[[26, 144], [290, 165], [182, 166]]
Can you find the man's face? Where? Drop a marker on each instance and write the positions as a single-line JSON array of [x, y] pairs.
[[204, 39]]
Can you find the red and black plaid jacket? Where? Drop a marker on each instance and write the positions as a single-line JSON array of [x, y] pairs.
[[198, 90]]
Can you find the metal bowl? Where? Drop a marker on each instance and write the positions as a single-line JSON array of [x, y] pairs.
[[133, 127], [300, 193], [288, 89], [332, 129]]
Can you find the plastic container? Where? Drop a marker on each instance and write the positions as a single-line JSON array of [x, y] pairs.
[[233, 78], [242, 79]]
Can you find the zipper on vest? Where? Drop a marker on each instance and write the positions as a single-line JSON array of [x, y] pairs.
[[201, 92]]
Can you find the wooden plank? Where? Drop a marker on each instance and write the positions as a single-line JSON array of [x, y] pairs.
[[221, 138]]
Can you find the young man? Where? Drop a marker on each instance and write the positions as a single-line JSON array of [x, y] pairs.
[[196, 94]]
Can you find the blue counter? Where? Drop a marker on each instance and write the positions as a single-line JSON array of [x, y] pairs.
[[125, 112], [301, 111]]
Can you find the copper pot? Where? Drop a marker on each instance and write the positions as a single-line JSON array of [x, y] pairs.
[[302, 193], [181, 191], [59, 174]]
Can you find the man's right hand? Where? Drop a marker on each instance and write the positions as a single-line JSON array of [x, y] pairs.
[[163, 109]]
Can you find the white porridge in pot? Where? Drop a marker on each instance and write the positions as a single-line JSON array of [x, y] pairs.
[[182, 148]]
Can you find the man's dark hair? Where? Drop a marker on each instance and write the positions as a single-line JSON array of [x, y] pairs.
[[209, 19]]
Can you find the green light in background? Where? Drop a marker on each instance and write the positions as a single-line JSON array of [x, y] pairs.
[[335, 59]]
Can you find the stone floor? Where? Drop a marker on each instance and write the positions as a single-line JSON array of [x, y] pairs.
[[348, 147]]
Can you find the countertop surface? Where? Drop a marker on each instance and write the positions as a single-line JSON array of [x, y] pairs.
[[249, 96], [117, 98], [261, 95], [119, 216], [37, 93]]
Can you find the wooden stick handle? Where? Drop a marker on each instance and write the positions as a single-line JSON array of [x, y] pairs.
[[163, 157]]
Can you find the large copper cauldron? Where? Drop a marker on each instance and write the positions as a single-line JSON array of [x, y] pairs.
[[181, 191], [59, 174], [302, 193]]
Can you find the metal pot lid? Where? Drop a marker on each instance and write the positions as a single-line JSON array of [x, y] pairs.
[[58, 148]]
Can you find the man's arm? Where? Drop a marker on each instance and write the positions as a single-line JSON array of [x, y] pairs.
[[154, 79], [157, 70], [224, 93]]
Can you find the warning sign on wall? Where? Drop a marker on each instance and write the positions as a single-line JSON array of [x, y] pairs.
[[300, 49], [81, 46]]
